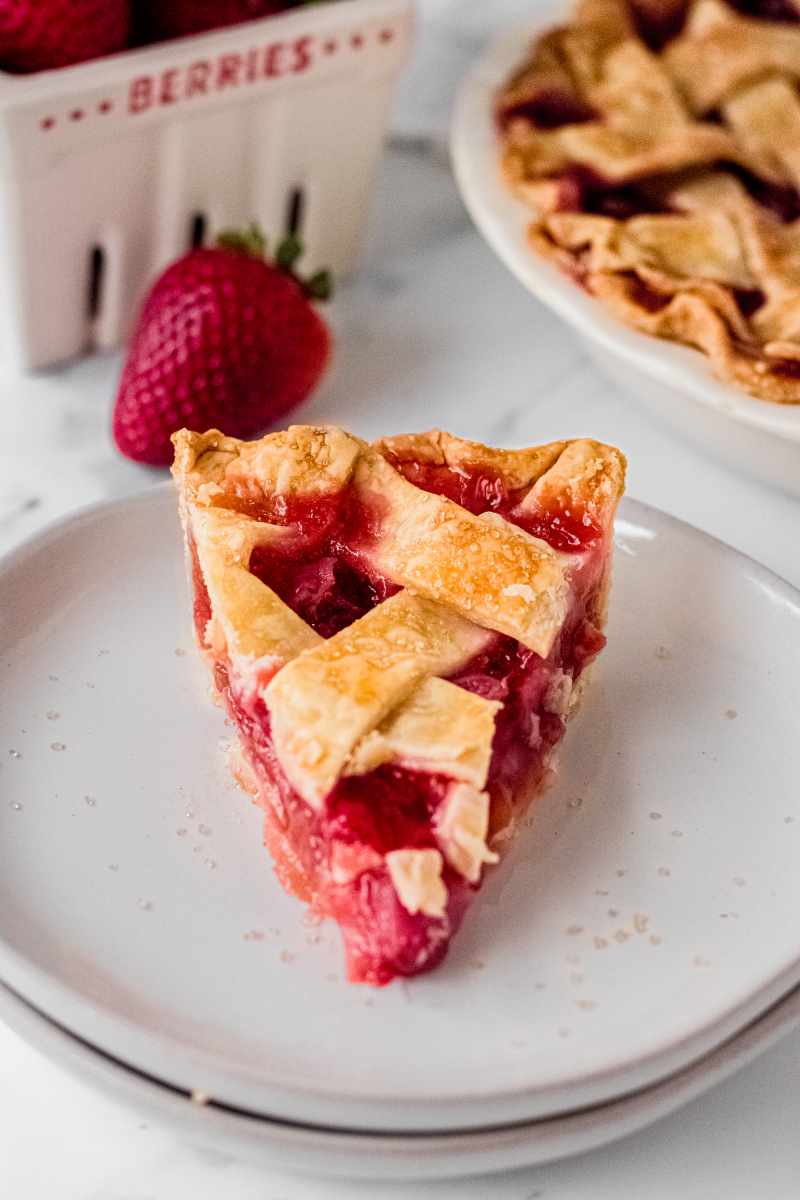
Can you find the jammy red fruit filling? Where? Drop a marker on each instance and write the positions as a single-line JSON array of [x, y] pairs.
[[333, 858], [551, 108], [482, 491]]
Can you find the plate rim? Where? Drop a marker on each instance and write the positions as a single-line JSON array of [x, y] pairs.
[[125, 1083], [298, 1101], [502, 220]]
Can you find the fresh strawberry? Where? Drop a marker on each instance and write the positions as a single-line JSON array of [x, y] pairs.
[[36, 35], [157, 20], [224, 338]]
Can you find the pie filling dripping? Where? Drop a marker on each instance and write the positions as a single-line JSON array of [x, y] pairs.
[[333, 859]]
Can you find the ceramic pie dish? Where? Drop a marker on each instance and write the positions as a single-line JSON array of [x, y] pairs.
[[643, 919], [676, 382]]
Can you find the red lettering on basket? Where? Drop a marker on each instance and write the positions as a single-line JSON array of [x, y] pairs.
[[141, 94], [302, 54], [273, 66], [229, 70], [168, 94], [205, 76], [197, 78]]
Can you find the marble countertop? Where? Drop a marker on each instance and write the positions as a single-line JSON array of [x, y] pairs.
[[432, 331]]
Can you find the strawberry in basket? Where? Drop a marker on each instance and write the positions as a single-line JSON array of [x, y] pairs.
[[159, 20], [225, 338], [37, 35]]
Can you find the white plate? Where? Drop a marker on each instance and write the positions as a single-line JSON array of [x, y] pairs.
[[761, 437], [272, 1144], [672, 838]]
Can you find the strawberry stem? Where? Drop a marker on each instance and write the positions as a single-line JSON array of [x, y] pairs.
[[244, 241], [290, 250], [319, 286]]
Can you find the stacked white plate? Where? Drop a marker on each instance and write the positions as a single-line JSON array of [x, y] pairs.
[[630, 952], [675, 383]]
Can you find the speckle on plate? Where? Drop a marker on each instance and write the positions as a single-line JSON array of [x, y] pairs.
[[600, 943], [640, 922], [145, 905], [14, 753], [90, 800], [664, 872], [739, 881], [52, 715], [15, 804], [58, 746], [654, 939], [656, 816], [573, 930], [731, 714]]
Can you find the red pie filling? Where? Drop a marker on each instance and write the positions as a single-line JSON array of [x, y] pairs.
[[549, 109], [768, 10], [330, 858]]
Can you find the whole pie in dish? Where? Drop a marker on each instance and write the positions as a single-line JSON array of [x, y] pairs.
[[399, 633], [658, 144]]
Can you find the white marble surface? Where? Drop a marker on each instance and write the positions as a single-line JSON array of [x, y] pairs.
[[432, 332]]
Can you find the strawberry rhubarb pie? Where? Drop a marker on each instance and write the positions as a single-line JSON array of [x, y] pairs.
[[399, 633], [657, 143]]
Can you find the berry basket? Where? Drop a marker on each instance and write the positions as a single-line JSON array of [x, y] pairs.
[[110, 169]]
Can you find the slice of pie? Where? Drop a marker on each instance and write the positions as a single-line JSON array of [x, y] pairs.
[[399, 633], [657, 143]]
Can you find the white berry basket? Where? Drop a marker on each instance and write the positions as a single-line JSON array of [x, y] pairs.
[[111, 169]]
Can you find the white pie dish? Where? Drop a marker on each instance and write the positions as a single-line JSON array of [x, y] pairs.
[[674, 382], [155, 962], [277, 1145]]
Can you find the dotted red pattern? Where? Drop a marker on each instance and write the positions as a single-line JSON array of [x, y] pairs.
[[357, 41]]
